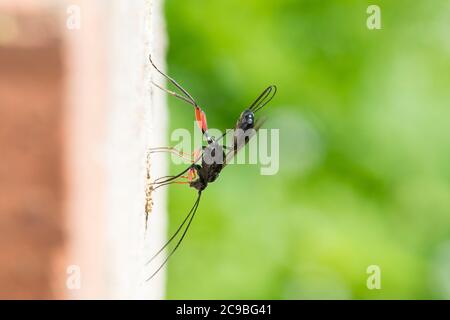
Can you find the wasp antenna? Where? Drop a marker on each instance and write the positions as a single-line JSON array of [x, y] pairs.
[[190, 216], [184, 91], [172, 237]]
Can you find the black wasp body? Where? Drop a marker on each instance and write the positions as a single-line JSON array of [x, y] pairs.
[[213, 157], [246, 120]]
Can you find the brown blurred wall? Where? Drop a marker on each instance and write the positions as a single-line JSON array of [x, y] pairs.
[[77, 115], [31, 185]]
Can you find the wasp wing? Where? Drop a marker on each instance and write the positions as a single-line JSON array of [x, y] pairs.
[[264, 98]]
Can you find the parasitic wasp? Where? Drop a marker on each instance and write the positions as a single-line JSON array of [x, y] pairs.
[[207, 163]]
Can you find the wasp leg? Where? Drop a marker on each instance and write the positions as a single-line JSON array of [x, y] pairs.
[[166, 179], [192, 157], [191, 176], [187, 97]]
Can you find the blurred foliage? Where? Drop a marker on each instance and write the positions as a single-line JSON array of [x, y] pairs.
[[365, 149]]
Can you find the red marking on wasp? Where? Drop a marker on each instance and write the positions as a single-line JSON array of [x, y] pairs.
[[192, 174], [200, 117]]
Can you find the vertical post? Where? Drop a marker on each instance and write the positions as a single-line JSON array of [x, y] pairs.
[[114, 115]]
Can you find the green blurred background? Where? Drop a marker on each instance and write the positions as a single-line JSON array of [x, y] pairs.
[[365, 151]]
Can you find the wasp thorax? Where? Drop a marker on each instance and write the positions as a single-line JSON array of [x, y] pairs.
[[213, 154], [199, 185]]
